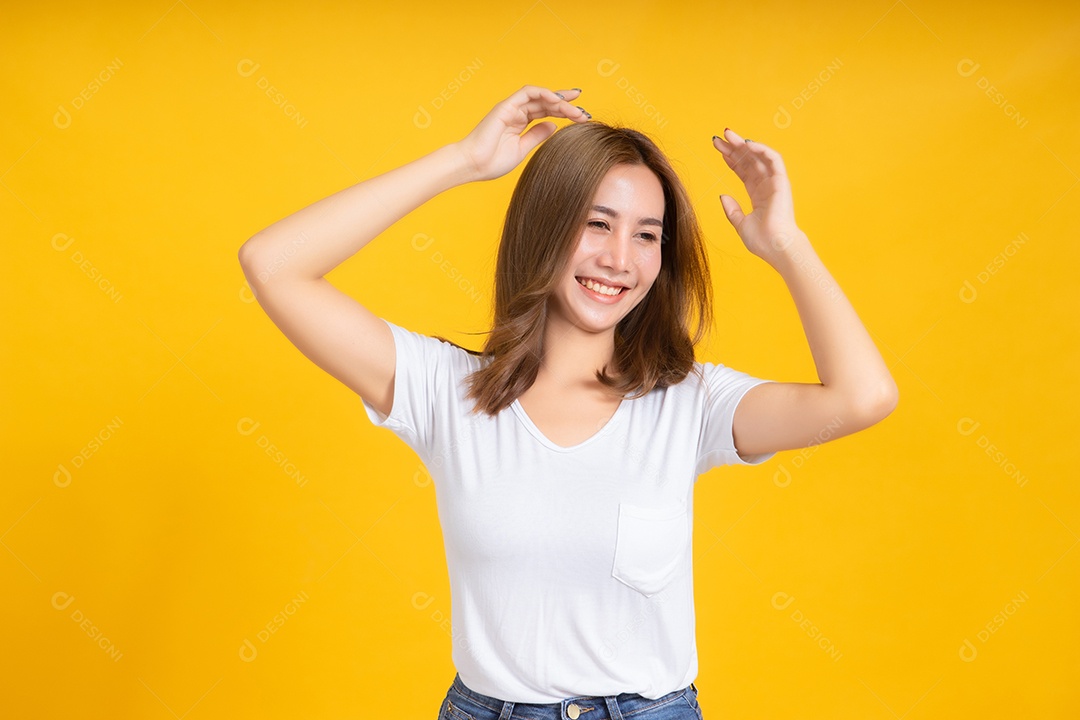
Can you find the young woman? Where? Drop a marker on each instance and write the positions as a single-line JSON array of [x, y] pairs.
[[564, 454]]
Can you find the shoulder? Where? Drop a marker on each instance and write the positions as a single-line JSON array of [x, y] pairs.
[[722, 385], [707, 382], [690, 388], [699, 377], [420, 347]]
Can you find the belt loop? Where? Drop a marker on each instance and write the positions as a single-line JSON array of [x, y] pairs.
[[613, 707], [507, 711]]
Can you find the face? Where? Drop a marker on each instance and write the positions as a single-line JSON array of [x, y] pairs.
[[619, 246]]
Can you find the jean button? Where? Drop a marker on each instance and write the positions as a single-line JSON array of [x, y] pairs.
[[572, 711]]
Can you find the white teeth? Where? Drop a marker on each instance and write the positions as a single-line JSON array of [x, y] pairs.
[[602, 289]]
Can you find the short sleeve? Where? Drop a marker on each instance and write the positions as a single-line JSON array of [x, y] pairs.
[[724, 388], [416, 379]]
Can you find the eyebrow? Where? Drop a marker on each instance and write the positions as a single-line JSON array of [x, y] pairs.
[[611, 213]]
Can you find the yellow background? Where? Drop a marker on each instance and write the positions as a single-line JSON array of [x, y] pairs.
[[177, 475]]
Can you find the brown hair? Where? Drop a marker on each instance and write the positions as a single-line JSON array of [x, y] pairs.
[[653, 344]]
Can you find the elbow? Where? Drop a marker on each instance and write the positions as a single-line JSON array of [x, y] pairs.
[[246, 254], [264, 260], [877, 403], [253, 261], [250, 265]]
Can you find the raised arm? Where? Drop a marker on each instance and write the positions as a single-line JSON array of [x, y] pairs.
[[855, 389], [285, 264]]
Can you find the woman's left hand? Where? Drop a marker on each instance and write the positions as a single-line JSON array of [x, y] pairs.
[[769, 230]]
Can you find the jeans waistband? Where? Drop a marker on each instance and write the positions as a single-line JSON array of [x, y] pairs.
[[581, 707]]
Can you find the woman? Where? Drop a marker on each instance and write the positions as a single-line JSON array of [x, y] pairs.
[[565, 453]]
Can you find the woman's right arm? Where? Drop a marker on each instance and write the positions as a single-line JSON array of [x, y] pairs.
[[285, 264]]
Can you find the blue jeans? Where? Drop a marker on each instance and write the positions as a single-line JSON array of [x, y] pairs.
[[461, 703]]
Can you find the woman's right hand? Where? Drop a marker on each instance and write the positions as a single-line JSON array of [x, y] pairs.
[[496, 146]]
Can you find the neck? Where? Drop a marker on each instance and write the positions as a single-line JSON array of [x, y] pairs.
[[573, 355]]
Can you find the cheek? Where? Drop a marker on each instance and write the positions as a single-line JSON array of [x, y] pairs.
[[649, 262]]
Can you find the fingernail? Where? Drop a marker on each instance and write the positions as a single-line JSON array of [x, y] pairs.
[[578, 89], [584, 111], [716, 137], [561, 96]]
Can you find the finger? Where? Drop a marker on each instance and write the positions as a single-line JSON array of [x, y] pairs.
[[732, 146], [761, 152], [721, 144], [770, 158], [534, 101], [734, 213], [744, 157], [537, 102], [559, 108], [537, 134], [570, 96]]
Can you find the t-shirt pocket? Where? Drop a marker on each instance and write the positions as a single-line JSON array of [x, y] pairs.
[[650, 546]]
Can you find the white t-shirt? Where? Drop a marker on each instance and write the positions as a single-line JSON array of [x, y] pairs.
[[570, 567]]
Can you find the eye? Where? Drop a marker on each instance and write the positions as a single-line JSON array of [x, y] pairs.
[[649, 237]]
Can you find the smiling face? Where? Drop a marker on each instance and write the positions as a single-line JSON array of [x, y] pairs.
[[619, 248]]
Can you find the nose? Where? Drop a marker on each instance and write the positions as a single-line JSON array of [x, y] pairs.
[[618, 251]]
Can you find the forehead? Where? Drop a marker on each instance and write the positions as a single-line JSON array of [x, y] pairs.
[[631, 185]]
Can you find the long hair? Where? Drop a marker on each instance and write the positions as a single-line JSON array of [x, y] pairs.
[[654, 345]]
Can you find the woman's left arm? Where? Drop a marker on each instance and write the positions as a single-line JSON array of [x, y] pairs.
[[855, 389]]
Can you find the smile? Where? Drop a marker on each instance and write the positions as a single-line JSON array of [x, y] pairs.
[[600, 288]]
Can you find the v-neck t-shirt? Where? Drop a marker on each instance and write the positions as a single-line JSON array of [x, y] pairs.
[[570, 567]]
